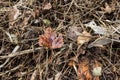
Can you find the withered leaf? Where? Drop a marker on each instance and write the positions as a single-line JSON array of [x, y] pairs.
[[84, 37], [73, 32], [97, 29], [97, 70], [47, 6], [108, 8], [83, 71], [51, 39], [100, 42], [14, 13]]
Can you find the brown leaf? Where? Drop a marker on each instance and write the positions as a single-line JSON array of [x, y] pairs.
[[73, 32], [84, 37], [47, 6], [83, 71], [14, 13], [108, 8], [71, 63], [51, 39], [36, 12]]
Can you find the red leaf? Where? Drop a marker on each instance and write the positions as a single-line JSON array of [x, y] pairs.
[[51, 39]]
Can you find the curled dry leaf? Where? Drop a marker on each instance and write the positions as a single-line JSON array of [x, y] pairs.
[[97, 29], [73, 32], [51, 39], [36, 12], [108, 8], [14, 13], [97, 70], [47, 6], [84, 37], [83, 71]]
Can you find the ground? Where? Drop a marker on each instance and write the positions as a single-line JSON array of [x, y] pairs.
[[59, 40]]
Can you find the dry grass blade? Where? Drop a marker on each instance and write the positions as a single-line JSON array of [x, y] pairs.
[[57, 76], [100, 42], [33, 77], [8, 59]]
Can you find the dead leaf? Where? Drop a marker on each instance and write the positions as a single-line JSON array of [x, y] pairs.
[[100, 42], [84, 37], [97, 70], [97, 29], [36, 12], [73, 32], [13, 15], [83, 71], [108, 8], [51, 39], [73, 61], [47, 6], [25, 21]]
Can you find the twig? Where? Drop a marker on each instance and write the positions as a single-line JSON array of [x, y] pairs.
[[15, 68], [20, 53], [33, 77], [69, 7], [7, 60]]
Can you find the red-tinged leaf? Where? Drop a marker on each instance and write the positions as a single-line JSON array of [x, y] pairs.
[[43, 41], [51, 39], [84, 71], [57, 41]]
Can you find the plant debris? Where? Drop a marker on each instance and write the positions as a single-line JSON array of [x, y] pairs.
[[108, 8], [47, 6], [59, 40], [100, 42], [97, 29], [83, 71], [84, 37], [51, 39]]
